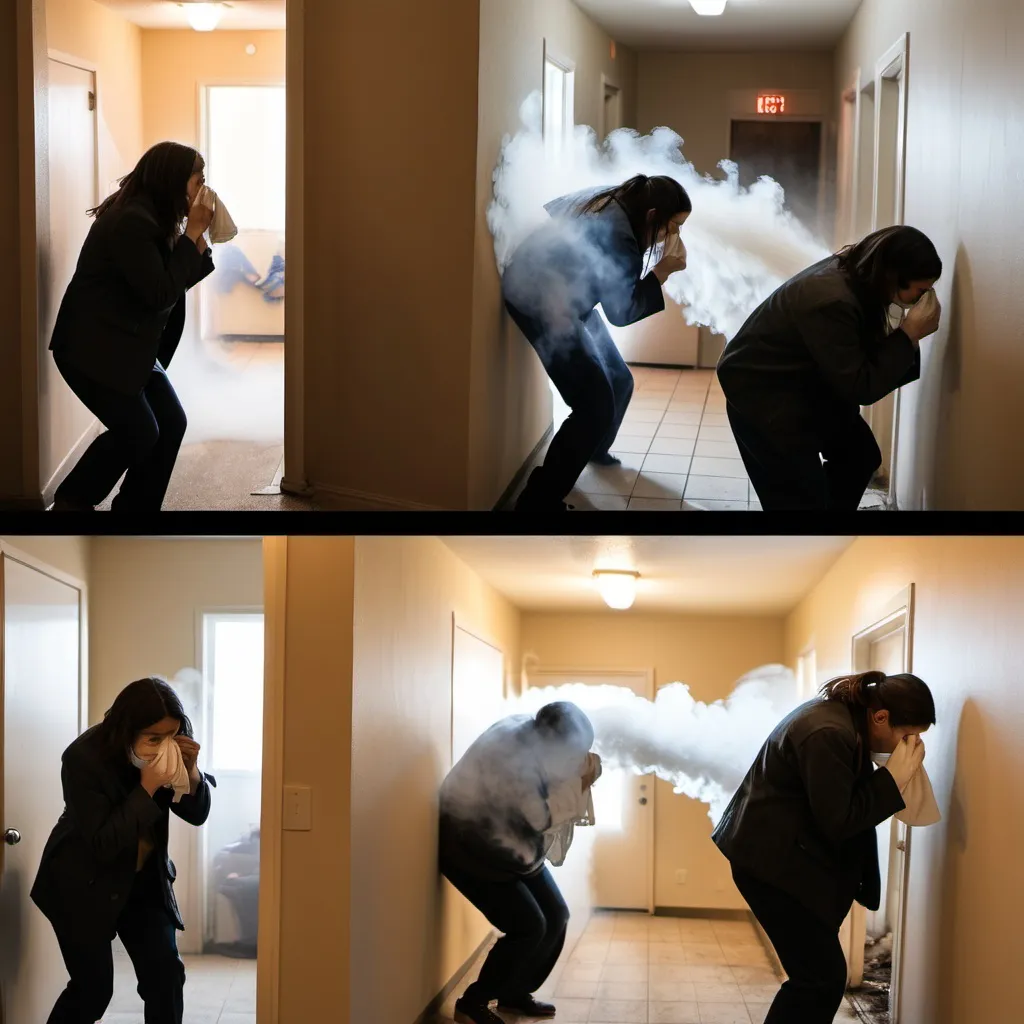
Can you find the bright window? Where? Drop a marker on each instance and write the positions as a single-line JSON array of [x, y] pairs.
[[246, 152], [559, 106], [233, 670]]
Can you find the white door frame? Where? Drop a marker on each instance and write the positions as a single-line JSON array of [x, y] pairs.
[[896, 614], [535, 681]]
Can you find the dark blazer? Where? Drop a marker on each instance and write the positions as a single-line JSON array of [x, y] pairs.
[[88, 864], [804, 816], [589, 259], [125, 305], [811, 348]]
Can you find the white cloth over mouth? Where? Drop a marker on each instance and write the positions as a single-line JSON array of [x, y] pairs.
[[570, 805], [922, 807], [168, 757], [222, 227]]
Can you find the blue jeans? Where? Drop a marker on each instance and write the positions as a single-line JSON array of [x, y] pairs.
[[595, 382], [533, 919], [143, 436]]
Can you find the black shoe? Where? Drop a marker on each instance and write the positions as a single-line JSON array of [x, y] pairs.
[[474, 1013], [607, 459], [527, 1007]]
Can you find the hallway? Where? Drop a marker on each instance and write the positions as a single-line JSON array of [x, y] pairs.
[[631, 968]]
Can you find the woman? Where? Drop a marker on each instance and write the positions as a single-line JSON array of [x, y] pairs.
[[105, 869], [800, 831], [495, 811], [819, 348], [120, 322], [592, 253]]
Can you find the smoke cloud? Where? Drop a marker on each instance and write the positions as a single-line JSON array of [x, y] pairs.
[[742, 243]]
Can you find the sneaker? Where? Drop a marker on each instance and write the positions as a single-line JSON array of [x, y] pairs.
[[474, 1013], [527, 1007]]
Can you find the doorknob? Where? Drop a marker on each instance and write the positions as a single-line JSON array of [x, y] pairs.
[[12, 837], [643, 800]]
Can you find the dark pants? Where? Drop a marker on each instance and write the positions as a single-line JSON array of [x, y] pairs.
[[144, 433], [809, 949], [594, 381], [150, 938], [533, 918], [787, 472]]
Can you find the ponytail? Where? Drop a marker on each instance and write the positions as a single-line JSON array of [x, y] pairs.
[[860, 690]]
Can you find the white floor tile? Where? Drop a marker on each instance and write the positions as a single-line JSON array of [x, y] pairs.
[[643, 415], [654, 505], [598, 502], [682, 430], [715, 419], [690, 418], [711, 505], [719, 467], [662, 445], [716, 488], [723, 434], [660, 485], [717, 449], [630, 443], [679, 464]]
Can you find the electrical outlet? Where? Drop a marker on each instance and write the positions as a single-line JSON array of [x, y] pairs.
[[681, 876], [298, 809]]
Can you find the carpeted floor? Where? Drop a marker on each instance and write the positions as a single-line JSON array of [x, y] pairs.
[[220, 476]]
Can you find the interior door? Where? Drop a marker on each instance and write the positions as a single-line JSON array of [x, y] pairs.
[[63, 420], [623, 845], [41, 715], [478, 688]]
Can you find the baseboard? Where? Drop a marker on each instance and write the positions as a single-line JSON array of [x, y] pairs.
[[343, 499], [438, 1001], [70, 460], [505, 501], [708, 913], [768, 947]]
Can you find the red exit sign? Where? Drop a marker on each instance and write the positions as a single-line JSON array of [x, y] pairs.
[[771, 103]]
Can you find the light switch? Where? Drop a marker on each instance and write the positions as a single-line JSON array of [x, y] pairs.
[[298, 809]]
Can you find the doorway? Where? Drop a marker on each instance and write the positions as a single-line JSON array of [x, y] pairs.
[[44, 709], [623, 839], [791, 153], [874, 940], [611, 109]]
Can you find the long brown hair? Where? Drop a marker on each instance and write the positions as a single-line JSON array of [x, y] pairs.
[[138, 706], [888, 260], [161, 176], [638, 196]]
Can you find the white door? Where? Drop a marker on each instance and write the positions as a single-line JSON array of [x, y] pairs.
[[623, 846], [41, 716], [478, 689], [63, 420]]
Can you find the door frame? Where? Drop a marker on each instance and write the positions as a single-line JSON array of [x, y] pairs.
[[647, 675], [606, 84], [198, 849], [897, 613]]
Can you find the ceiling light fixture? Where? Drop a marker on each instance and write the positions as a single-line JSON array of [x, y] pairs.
[[617, 587], [708, 7], [203, 17]]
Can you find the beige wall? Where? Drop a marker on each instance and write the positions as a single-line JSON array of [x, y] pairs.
[[390, 164], [963, 941], [313, 980], [510, 400], [963, 424], [67, 554], [710, 653], [414, 932], [691, 94]]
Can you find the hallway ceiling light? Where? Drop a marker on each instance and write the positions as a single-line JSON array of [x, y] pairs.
[[203, 17], [617, 587], [708, 7]]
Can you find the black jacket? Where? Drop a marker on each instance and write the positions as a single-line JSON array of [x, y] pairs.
[[125, 305], [812, 347], [804, 816], [88, 864]]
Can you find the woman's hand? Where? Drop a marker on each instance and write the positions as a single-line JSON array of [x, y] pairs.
[[154, 777], [905, 760], [923, 317], [189, 754], [673, 259], [200, 217], [592, 770]]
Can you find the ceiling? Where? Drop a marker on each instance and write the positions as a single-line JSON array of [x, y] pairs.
[[724, 575], [240, 15], [745, 25]]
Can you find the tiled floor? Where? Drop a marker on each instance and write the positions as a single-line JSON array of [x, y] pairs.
[[218, 990], [635, 969]]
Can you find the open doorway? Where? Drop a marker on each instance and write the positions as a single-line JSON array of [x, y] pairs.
[[611, 109], [874, 940]]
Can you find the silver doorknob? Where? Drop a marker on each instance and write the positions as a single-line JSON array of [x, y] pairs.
[[643, 800], [12, 837]]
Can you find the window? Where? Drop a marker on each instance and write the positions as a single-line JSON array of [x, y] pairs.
[[559, 104], [233, 672]]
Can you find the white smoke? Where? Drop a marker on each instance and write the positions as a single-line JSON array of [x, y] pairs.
[[704, 750], [742, 243]]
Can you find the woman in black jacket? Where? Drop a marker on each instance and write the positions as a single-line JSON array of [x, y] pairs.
[[800, 831], [120, 322], [105, 869], [806, 360]]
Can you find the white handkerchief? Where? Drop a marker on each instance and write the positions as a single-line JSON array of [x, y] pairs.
[[222, 227], [168, 757], [922, 807]]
